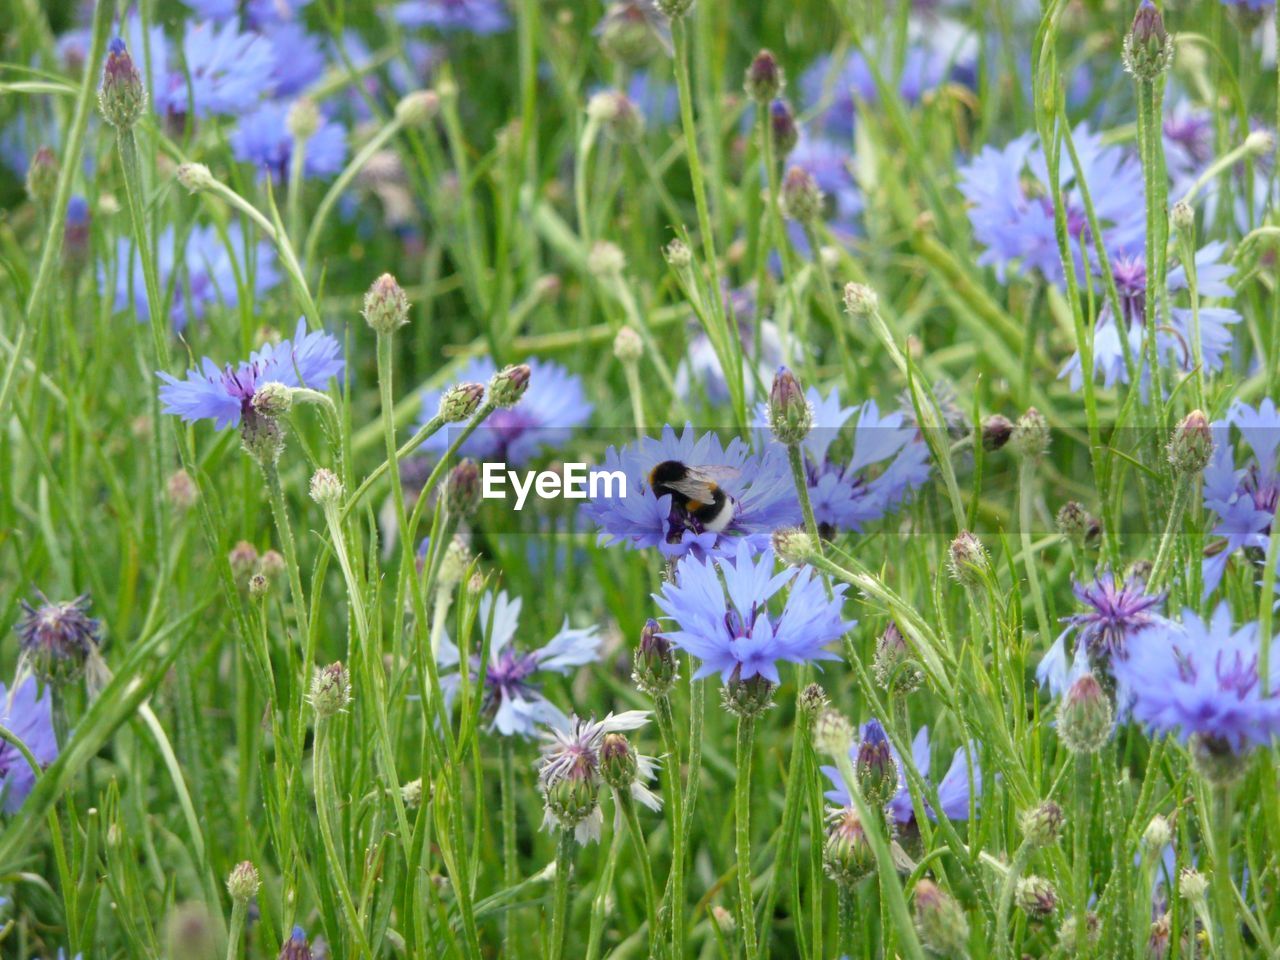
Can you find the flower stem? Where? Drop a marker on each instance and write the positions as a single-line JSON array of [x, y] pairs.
[[560, 901], [239, 910], [1082, 796], [847, 936], [628, 807], [1223, 890], [1184, 486], [603, 889], [742, 819], [327, 804], [1008, 884], [1026, 490], [796, 457], [673, 904]]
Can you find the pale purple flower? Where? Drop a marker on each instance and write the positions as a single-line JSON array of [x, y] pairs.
[[262, 138], [27, 713], [455, 16], [226, 72]]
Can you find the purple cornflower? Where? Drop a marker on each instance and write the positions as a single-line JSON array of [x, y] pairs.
[[209, 273], [299, 59], [454, 16], [1243, 499], [728, 626], [758, 487], [1173, 342], [226, 394], [57, 638], [1011, 210], [227, 72], [1115, 614], [262, 13], [847, 495], [553, 406], [511, 694], [954, 789], [296, 947], [27, 713], [262, 138], [1201, 678]]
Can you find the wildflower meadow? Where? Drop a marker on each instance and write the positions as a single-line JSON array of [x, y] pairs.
[[673, 479]]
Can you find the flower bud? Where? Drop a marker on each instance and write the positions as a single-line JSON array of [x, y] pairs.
[[411, 794], [810, 704], [674, 9], [653, 666], [832, 733], [996, 431], [243, 559], [790, 415], [1042, 824], [509, 385], [847, 857], [418, 108], [1182, 217], [42, 175], [1036, 897], [793, 545], [271, 564], [968, 561], [940, 921], [677, 254], [1260, 143], [122, 96], [627, 345], [326, 488], [273, 400], [1084, 716], [386, 307], [1073, 521], [572, 799], [1148, 48], [1073, 940], [892, 663], [619, 117], [724, 920], [181, 490], [618, 763], [747, 698], [195, 177], [1158, 937], [764, 79], [1216, 759], [782, 125], [57, 639], [243, 883], [302, 120], [462, 488], [801, 196], [875, 767], [259, 587], [860, 301], [1192, 885], [1030, 437], [460, 401], [1191, 446], [330, 690], [296, 947], [630, 33], [1157, 835], [605, 260]]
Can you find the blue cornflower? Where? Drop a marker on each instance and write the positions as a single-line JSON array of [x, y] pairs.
[[208, 275], [224, 395], [454, 16], [846, 495], [227, 72], [27, 712], [1011, 210], [262, 138], [954, 790], [299, 59], [1115, 614], [728, 627], [296, 947], [1188, 145], [1174, 341], [1243, 499], [1253, 5], [213, 9], [1200, 678], [552, 407], [511, 696], [758, 486], [261, 13]]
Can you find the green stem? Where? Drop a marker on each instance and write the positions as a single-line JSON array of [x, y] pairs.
[[1026, 490], [795, 454], [239, 910], [674, 896], [1004, 907], [1184, 486], [604, 889], [1082, 797], [847, 936], [628, 807], [742, 823], [560, 901], [514, 942], [1224, 895], [327, 812]]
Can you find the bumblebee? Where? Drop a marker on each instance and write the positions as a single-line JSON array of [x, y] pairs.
[[695, 492]]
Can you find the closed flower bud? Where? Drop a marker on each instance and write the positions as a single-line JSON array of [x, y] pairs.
[[1158, 937], [747, 698], [677, 255], [262, 438], [860, 301], [1260, 143], [782, 125], [271, 564], [1073, 939], [1042, 824], [1030, 437], [605, 260], [181, 490], [1084, 716], [790, 416], [42, 175], [326, 488], [273, 400], [653, 666], [847, 857], [875, 767], [1192, 885], [411, 794], [1182, 217], [630, 33], [617, 762], [996, 431], [330, 690], [56, 639], [121, 97], [259, 587], [832, 733], [386, 307], [418, 108], [460, 401], [1036, 897], [462, 488], [627, 345], [243, 559], [940, 921], [296, 947], [572, 799], [724, 920], [1191, 446], [303, 119], [793, 545], [968, 561], [801, 196], [509, 385], [619, 117], [195, 177], [1148, 48], [892, 662], [1157, 835], [764, 79], [811, 702], [243, 883], [454, 564], [1073, 522]]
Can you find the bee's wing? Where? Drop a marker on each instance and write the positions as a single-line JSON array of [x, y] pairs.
[[714, 475], [692, 487]]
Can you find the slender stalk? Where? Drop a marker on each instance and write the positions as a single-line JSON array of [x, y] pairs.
[[1224, 895], [1082, 796], [742, 833], [327, 807], [560, 899], [847, 922], [795, 455], [1184, 487], [673, 905], [603, 890], [628, 808], [239, 910], [514, 943], [1026, 491], [1004, 906]]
